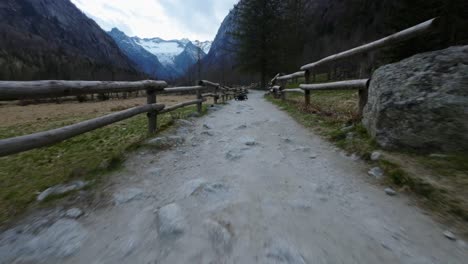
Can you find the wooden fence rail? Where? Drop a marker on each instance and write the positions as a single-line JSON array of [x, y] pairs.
[[12, 90], [308, 70], [23, 143]]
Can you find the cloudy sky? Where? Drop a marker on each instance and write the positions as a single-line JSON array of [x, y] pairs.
[[167, 19]]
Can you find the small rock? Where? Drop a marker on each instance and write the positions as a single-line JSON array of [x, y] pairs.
[[450, 235], [233, 155], [207, 133], [190, 187], [61, 189], [249, 141], [350, 135], [287, 140], [314, 156], [354, 157], [376, 155], [387, 247], [242, 127], [438, 156], [377, 172], [74, 213], [207, 126], [209, 188], [303, 149], [390, 192], [127, 195], [171, 220]]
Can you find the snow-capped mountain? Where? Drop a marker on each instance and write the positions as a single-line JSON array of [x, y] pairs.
[[204, 45], [174, 56]]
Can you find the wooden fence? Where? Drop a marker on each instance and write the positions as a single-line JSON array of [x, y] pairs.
[[12, 90], [279, 82]]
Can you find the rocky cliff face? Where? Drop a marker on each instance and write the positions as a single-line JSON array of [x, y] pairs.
[[222, 53], [52, 39], [421, 102]]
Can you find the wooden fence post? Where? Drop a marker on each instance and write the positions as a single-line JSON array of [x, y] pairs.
[[363, 97], [215, 98], [281, 90], [152, 115], [307, 92], [200, 104]]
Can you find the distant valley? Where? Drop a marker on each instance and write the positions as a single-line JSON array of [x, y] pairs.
[[159, 58]]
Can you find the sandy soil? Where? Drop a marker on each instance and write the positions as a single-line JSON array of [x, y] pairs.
[[248, 185], [11, 115]]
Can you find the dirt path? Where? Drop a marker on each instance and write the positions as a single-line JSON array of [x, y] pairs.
[[249, 185]]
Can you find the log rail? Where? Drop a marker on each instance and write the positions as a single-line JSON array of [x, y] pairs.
[[13, 90], [308, 71]]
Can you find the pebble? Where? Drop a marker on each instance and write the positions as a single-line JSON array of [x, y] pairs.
[[127, 195], [390, 192], [207, 126], [376, 155], [450, 235], [74, 213], [249, 141], [233, 155], [171, 221], [439, 156], [207, 133], [377, 172], [61, 189]]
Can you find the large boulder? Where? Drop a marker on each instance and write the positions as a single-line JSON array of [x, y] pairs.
[[421, 102]]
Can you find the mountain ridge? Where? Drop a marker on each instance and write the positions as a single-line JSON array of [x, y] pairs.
[[164, 59], [43, 39]]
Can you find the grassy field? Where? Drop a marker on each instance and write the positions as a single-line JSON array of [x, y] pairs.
[[439, 182], [88, 156]]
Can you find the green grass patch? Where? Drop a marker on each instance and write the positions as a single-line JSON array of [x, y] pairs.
[[88, 156]]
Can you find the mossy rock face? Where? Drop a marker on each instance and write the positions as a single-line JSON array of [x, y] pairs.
[[421, 102]]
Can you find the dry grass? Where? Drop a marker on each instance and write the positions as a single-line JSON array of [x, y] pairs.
[[12, 114]]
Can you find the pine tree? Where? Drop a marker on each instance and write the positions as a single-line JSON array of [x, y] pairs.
[[258, 43]]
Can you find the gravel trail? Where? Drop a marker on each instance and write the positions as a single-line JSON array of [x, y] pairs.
[[247, 185]]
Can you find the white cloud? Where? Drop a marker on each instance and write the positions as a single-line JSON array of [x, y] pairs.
[[168, 19]]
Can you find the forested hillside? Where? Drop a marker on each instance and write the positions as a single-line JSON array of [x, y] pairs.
[[51, 39], [280, 36]]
